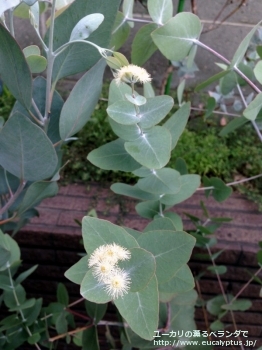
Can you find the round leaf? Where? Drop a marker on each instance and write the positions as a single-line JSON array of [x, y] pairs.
[[162, 181], [97, 232], [189, 184], [140, 267], [143, 46], [31, 50], [32, 156], [148, 209], [86, 26], [152, 149], [171, 250], [123, 112], [113, 156], [34, 338], [160, 10], [37, 64], [93, 290], [154, 110], [125, 132], [137, 100], [145, 304], [238, 305], [181, 282], [76, 273], [177, 36]]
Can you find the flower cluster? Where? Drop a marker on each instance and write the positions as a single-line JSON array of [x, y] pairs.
[[131, 74], [103, 262]]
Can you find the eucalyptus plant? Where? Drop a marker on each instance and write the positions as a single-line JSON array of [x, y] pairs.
[[144, 274]]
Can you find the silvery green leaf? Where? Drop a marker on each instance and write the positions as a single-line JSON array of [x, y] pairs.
[[14, 69], [152, 148], [123, 112], [86, 26], [138, 100], [171, 249], [160, 10], [237, 105], [8, 4], [148, 90], [128, 6], [32, 156], [120, 31], [143, 46], [180, 91], [146, 306], [62, 3], [34, 15], [177, 36], [258, 71], [31, 50], [240, 52], [249, 98], [81, 101], [29, 2], [253, 108], [79, 57]]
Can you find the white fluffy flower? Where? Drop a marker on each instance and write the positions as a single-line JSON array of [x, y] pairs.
[[120, 252], [97, 256], [117, 283], [131, 74], [103, 262], [103, 270]]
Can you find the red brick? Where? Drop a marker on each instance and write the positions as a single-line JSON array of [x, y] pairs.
[[63, 190], [46, 216], [60, 202], [67, 218]]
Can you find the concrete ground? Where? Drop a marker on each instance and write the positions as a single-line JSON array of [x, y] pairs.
[[225, 39]]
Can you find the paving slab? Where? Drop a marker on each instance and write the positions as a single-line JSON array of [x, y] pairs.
[[225, 39]]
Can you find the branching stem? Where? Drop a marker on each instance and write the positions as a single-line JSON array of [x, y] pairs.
[[245, 286], [138, 20], [224, 59], [231, 183], [13, 198]]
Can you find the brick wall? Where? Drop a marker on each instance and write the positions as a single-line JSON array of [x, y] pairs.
[[53, 242]]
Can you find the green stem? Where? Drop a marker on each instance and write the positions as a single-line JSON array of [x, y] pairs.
[[11, 22], [161, 209], [181, 5], [168, 83], [138, 20], [63, 47], [217, 274], [18, 304], [50, 63], [133, 95]]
